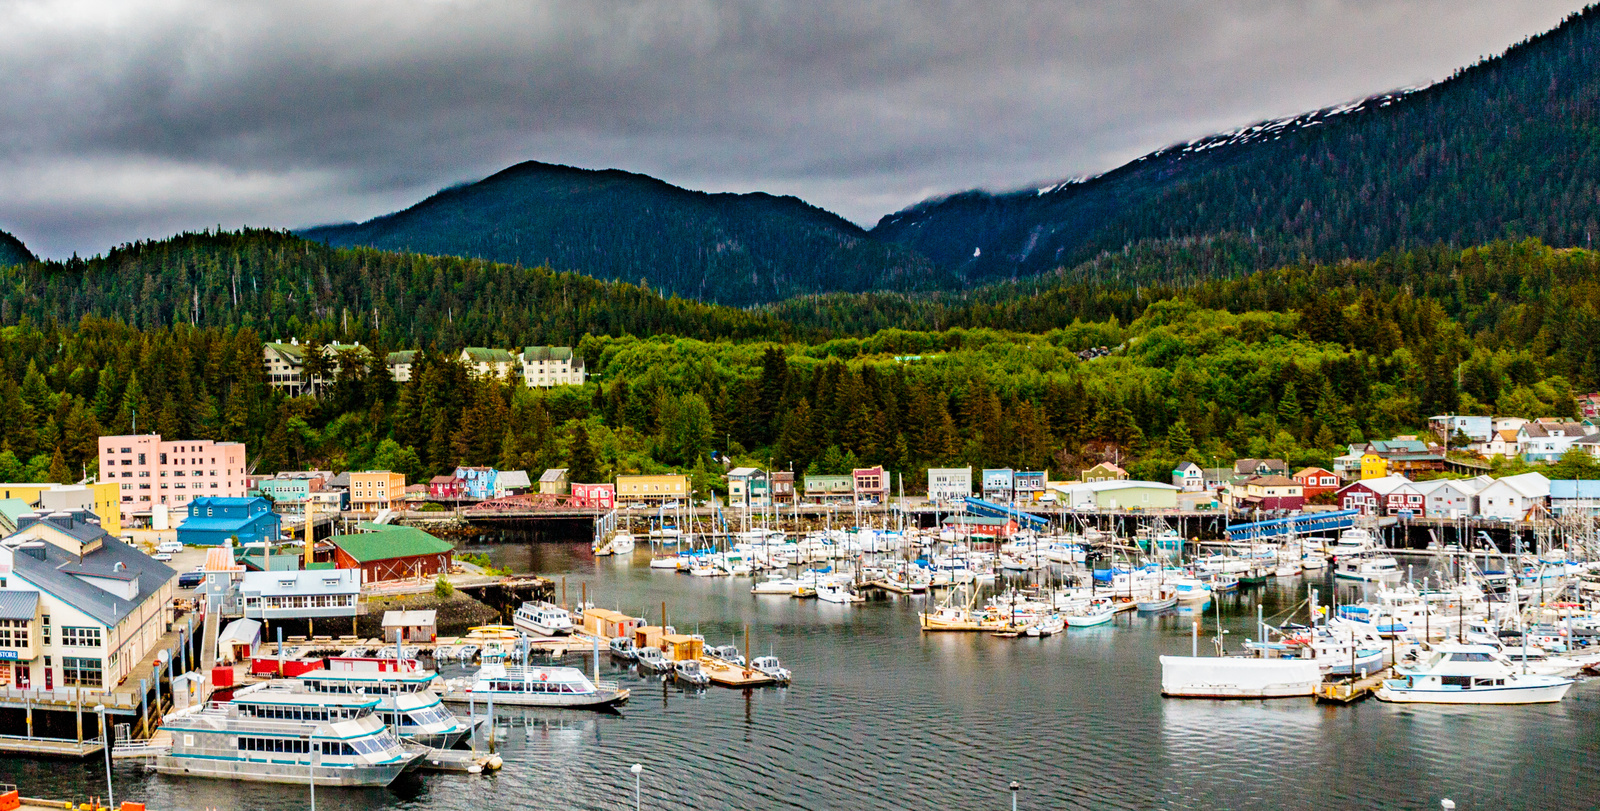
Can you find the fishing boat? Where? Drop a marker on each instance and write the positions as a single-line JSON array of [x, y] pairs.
[[835, 593], [1353, 541], [651, 658], [1164, 597], [689, 672], [1098, 611], [1048, 625], [536, 687], [542, 619], [1190, 590], [1459, 673], [1366, 567], [769, 666], [1222, 583], [316, 740], [623, 647]]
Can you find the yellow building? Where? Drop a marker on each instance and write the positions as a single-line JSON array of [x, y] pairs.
[[652, 489], [374, 490], [1373, 466], [100, 498]]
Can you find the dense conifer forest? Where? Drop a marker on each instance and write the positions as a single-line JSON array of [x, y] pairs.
[[1293, 362]]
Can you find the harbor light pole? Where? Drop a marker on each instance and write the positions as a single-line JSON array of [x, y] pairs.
[[105, 740], [1015, 787], [311, 758], [636, 769]]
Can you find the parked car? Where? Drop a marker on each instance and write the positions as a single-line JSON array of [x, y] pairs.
[[162, 556], [189, 580]]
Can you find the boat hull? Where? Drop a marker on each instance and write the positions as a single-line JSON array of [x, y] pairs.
[[256, 771], [599, 699], [1541, 694], [1091, 620], [1237, 678]]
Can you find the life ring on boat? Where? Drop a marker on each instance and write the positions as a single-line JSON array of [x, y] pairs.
[[544, 677]]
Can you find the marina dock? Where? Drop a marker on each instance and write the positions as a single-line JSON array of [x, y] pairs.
[[1349, 691]]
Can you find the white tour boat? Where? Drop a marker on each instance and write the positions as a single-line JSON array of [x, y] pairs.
[[542, 619], [537, 687]]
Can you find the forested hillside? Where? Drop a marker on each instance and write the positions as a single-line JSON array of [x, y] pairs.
[[282, 286], [1289, 363], [728, 248], [1509, 147], [12, 251]]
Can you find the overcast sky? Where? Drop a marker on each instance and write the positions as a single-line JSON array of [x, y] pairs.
[[126, 120]]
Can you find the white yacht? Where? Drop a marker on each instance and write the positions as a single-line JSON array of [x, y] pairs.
[[1191, 590], [1471, 674], [284, 739], [536, 687], [1366, 567], [543, 619], [1352, 541], [1237, 677], [835, 593], [1098, 611], [406, 701], [689, 672]]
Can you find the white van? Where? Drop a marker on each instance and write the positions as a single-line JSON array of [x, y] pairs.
[[169, 546]]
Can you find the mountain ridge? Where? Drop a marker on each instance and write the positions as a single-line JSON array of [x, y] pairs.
[[1392, 170], [13, 252], [613, 224]]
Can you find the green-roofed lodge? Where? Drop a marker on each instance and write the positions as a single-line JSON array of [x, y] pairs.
[[384, 552]]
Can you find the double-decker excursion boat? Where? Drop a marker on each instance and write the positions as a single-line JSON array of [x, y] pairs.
[[542, 619], [536, 687], [278, 736], [406, 701]]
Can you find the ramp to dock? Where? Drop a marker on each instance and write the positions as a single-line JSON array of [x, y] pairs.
[[208, 640], [989, 509], [1293, 525]]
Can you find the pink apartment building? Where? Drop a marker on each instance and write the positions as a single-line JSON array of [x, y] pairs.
[[150, 471]]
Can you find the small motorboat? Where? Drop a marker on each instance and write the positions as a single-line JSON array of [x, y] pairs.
[[769, 666], [1098, 611], [624, 647], [650, 657], [689, 672], [1048, 625], [1166, 597]]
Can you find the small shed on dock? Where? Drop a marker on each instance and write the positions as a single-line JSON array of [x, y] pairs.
[[682, 647], [238, 641], [412, 626], [608, 624]]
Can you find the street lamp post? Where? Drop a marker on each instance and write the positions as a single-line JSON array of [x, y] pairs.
[[105, 741], [311, 757], [1015, 787], [636, 769]]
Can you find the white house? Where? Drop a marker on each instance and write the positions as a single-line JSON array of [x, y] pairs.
[[1546, 441], [1189, 478], [97, 607], [947, 484], [1503, 443], [1569, 497], [1513, 496], [1451, 498]]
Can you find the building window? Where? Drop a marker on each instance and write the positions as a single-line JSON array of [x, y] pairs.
[[72, 637], [13, 633], [77, 672]]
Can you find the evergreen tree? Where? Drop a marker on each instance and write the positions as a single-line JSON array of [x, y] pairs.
[[582, 464]]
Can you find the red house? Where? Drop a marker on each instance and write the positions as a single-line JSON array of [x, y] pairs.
[[448, 488], [597, 496], [1386, 496], [1315, 481]]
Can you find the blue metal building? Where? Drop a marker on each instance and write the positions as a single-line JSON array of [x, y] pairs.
[[212, 521]]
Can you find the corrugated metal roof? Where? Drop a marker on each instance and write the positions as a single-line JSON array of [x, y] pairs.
[[406, 619], [1574, 489], [50, 575], [278, 584], [16, 604]]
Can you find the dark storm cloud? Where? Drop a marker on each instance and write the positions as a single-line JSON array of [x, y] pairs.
[[126, 120]]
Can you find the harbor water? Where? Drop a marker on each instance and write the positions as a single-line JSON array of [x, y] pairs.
[[881, 715]]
